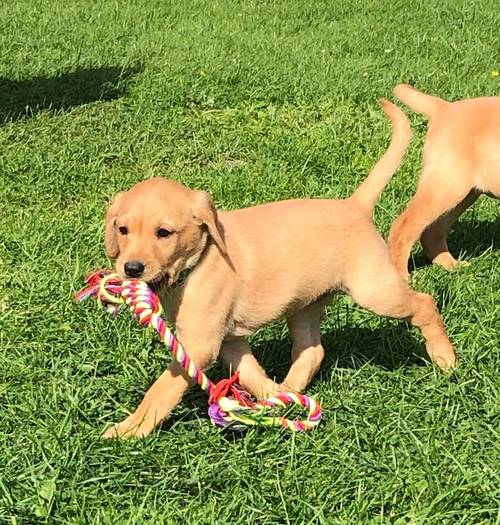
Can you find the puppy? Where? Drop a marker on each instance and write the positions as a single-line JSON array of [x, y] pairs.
[[222, 276], [461, 161]]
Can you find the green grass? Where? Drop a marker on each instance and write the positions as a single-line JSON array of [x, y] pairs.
[[253, 101]]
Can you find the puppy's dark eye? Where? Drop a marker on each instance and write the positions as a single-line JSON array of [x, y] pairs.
[[163, 232], [123, 230]]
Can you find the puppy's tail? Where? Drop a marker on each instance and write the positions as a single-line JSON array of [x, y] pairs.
[[419, 102], [371, 188]]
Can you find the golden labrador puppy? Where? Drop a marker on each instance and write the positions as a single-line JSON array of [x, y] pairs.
[[461, 161], [222, 276]]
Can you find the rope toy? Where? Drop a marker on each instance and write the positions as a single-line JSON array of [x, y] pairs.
[[229, 404]]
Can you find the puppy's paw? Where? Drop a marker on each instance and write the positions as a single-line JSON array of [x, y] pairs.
[[111, 433], [287, 387], [448, 262], [447, 363], [131, 427], [259, 387]]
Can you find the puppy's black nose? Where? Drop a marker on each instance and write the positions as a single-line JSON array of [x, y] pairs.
[[133, 269]]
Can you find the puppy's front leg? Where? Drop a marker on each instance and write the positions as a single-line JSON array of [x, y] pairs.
[[167, 391], [238, 356]]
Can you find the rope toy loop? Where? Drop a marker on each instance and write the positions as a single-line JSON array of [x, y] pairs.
[[229, 403]]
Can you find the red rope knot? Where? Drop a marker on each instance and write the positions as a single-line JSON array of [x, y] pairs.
[[230, 388]]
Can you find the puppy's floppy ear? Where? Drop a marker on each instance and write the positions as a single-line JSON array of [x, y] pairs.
[[204, 212], [110, 240]]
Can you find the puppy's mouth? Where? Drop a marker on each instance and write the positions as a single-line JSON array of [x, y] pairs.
[[158, 282]]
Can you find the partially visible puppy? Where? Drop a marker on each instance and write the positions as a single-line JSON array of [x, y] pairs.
[[222, 276], [461, 161]]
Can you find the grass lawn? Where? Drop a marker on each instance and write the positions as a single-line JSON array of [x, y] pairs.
[[253, 101]]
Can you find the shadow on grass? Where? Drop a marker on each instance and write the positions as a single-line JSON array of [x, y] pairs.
[[390, 347], [21, 99], [467, 239]]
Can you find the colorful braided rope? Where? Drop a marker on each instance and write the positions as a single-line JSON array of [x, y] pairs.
[[229, 404]]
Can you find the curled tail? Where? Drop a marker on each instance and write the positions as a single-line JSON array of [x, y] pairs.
[[371, 188], [419, 102]]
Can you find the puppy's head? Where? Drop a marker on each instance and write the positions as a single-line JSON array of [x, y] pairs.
[[159, 228]]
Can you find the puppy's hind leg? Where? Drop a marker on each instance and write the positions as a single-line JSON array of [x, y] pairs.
[[380, 289], [430, 202], [307, 351], [434, 237]]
